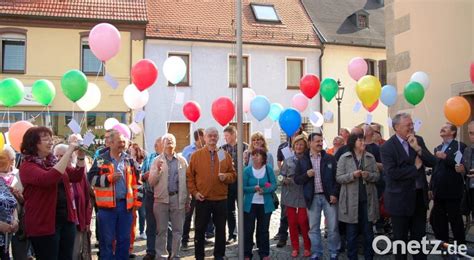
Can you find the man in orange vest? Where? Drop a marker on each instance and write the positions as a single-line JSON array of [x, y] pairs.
[[113, 177]]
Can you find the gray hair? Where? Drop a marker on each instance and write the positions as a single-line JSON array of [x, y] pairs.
[[168, 135], [210, 130], [9, 151], [59, 147], [398, 117]]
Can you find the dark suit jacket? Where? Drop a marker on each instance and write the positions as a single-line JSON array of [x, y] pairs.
[[446, 183], [401, 175], [328, 177]]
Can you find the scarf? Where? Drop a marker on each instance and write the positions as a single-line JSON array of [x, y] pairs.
[[46, 163]]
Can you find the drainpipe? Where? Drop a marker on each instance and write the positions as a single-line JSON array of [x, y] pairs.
[[321, 77]]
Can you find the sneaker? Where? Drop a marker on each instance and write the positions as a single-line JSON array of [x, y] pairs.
[[276, 237], [281, 243], [307, 253], [294, 253], [132, 255], [231, 241]]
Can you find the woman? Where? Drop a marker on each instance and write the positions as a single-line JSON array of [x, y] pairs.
[[138, 156], [50, 219], [358, 202], [80, 189], [292, 197], [259, 183], [8, 203], [257, 140]]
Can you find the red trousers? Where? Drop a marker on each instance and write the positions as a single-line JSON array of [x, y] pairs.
[[298, 222]]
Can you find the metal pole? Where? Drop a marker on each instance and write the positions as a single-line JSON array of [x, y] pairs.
[[240, 132], [338, 116]]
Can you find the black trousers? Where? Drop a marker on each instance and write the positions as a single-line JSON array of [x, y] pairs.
[[283, 229], [58, 246], [415, 225], [257, 214], [231, 214], [187, 221], [444, 212], [204, 209]]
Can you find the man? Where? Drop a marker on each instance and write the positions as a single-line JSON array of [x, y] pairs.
[[344, 133], [148, 201], [282, 235], [113, 176], [378, 139], [209, 174], [168, 177], [468, 159], [187, 152], [447, 186], [317, 172], [230, 136], [337, 143], [344, 149], [404, 157]]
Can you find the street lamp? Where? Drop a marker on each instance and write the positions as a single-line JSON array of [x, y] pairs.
[[339, 97]]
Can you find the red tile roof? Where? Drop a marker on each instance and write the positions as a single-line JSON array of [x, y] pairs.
[[212, 20], [107, 10]]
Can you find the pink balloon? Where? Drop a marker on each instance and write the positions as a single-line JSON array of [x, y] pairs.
[[247, 96], [357, 68], [300, 102], [16, 132], [104, 40], [123, 129]]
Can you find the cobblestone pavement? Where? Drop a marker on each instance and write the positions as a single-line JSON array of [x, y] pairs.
[[276, 253]]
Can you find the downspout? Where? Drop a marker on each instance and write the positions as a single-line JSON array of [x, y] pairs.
[[321, 77]]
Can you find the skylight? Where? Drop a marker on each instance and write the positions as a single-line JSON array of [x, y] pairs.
[[265, 13]]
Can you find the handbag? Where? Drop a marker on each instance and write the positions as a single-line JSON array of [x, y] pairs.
[[276, 201]]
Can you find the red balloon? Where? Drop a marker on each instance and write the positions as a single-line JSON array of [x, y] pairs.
[[373, 106], [223, 110], [472, 72], [144, 74], [309, 85], [192, 111]]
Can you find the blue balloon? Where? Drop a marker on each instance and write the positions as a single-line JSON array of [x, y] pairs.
[[259, 107], [275, 111], [290, 121], [389, 95]]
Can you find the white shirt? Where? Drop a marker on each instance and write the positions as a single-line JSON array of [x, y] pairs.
[[258, 174]]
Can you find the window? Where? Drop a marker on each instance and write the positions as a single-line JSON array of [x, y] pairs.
[[383, 72], [5, 122], [371, 67], [182, 133], [90, 65], [362, 21], [13, 53], [246, 131], [265, 13], [185, 58], [294, 72], [233, 72]]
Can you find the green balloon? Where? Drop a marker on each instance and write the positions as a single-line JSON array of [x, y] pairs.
[[74, 85], [329, 88], [43, 91], [414, 92], [12, 92]]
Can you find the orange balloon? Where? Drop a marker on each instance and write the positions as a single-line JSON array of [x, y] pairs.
[[457, 110], [16, 132]]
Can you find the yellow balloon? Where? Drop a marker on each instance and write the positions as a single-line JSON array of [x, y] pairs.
[[2, 141], [368, 90]]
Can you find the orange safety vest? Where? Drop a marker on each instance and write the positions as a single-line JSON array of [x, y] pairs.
[[105, 195]]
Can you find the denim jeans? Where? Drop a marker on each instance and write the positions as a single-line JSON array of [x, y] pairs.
[[257, 213], [353, 230], [115, 224], [319, 204]]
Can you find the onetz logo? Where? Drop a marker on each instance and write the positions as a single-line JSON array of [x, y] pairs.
[[425, 246]]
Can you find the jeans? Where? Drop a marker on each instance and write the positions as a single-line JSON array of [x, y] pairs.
[[319, 204], [57, 246], [150, 223], [115, 224], [352, 232], [257, 213], [231, 214], [204, 210], [283, 229], [187, 221], [142, 216]]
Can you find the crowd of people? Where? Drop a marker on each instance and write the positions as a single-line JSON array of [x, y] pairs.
[[49, 191]]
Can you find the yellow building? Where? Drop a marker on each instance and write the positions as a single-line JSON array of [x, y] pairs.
[[43, 40], [350, 29]]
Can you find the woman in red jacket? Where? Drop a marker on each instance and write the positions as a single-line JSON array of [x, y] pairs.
[[50, 218]]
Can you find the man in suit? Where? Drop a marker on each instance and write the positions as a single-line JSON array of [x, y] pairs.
[[404, 156], [447, 186], [317, 172]]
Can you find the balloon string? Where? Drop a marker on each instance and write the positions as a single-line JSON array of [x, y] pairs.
[[33, 118], [49, 116], [426, 110], [171, 110], [98, 72], [8, 117]]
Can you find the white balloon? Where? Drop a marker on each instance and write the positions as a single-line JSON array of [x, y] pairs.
[[135, 98], [316, 118], [247, 96], [422, 78], [91, 99], [110, 123], [174, 69]]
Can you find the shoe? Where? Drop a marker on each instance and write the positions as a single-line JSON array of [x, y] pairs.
[[314, 258], [149, 257], [231, 241], [142, 236], [266, 258], [281, 243], [208, 242], [333, 257], [294, 253], [96, 245], [276, 237], [132, 255], [209, 235], [184, 245], [307, 253]]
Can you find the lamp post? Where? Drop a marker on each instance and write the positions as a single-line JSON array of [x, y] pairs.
[[339, 97]]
